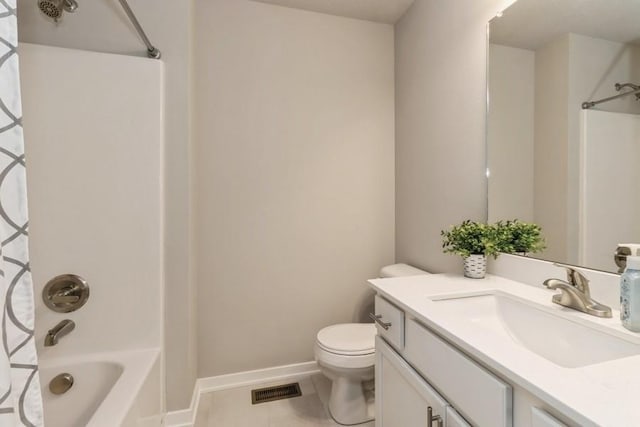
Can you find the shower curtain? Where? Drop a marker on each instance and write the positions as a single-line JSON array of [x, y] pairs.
[[20, 399]]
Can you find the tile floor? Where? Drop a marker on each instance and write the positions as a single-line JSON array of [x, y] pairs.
[[233, 408]]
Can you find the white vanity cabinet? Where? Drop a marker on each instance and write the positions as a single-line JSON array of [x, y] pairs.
[[468, 367], [412, 362], [484, 399], [404, 398]]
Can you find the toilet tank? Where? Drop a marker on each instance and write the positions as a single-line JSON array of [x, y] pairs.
[[400, 270]]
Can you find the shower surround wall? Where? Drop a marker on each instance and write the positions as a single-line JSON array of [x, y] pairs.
[[94, 168], [102, 26], [295, 200]]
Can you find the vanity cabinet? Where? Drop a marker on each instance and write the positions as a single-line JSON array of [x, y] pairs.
[[475, 369], [417, 368], [404, 398], [481, 396]]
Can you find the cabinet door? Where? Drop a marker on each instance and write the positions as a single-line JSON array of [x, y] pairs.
[[483, 398], [540, 418], [454, 419], [402, 396]]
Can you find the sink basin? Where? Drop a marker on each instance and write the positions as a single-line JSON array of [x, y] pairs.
[[560, 340]]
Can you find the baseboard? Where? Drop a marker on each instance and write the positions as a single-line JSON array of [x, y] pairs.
[[240, 379], [186, 417]]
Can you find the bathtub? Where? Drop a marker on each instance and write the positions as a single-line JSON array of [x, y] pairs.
[[109, 390]]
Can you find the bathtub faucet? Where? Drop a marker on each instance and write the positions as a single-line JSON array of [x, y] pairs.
[[60, 330]]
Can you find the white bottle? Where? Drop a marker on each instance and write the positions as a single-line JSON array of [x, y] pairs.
[[630, 294]]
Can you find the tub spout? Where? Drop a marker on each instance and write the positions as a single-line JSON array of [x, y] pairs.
[[58, 331]]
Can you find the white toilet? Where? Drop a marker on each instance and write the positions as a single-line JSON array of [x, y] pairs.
[[346, 355]]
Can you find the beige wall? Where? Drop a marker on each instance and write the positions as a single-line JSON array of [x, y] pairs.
[[510, 133], [440, 124], [551, 152], [102, 26], [294, 130]]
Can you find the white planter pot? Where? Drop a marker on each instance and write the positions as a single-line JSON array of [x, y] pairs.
[[475, 266]]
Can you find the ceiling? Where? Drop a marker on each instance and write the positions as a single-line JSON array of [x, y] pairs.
[[385, 11], [529, 24]]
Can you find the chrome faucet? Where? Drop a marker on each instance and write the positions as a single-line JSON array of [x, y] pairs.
[[58, 331], [575, 293]]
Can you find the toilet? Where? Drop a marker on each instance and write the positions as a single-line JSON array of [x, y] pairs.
[[345, 354]]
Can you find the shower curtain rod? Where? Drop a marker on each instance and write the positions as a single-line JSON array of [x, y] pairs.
[[590, 104], [152, 51]]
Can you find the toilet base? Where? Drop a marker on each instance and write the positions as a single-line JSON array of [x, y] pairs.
[[349, 404]]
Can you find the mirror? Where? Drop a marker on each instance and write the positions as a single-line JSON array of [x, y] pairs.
[[573, 171]]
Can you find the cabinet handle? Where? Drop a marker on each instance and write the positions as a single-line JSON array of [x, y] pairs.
[[431, 418], [377, 318]]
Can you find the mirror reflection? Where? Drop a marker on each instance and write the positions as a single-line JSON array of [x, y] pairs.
[[574, 171]]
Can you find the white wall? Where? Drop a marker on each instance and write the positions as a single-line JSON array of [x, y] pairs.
[[102, 26], [510, 133], [440, 125], [95, 193], [295, 199]]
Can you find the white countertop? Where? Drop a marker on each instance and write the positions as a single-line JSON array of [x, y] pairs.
[[602, 394]]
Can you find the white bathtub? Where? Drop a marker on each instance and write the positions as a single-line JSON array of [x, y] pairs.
[[108, 391]]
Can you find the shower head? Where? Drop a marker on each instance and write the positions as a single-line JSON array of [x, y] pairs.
[[55, 8]]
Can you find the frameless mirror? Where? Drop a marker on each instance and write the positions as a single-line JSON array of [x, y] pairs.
[[574, 171]]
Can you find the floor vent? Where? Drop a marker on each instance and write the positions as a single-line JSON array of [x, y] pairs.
[[278, 392]]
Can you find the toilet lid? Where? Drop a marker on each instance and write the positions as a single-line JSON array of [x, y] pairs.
[[348, 338]]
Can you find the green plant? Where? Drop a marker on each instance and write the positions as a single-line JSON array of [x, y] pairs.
[[515, 236], [471, 238]]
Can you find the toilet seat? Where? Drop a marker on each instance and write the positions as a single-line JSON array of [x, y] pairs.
[[347, 345], [348, 339]]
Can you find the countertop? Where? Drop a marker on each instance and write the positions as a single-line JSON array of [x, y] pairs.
[[602, 394]]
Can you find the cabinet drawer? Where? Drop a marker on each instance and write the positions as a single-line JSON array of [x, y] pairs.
[[393, 320], [540, 418], [478, 395]]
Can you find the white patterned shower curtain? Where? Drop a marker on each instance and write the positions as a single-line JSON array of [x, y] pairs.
[[20, 399]]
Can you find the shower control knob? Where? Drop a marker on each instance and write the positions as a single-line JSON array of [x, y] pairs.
[[65, 293]]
